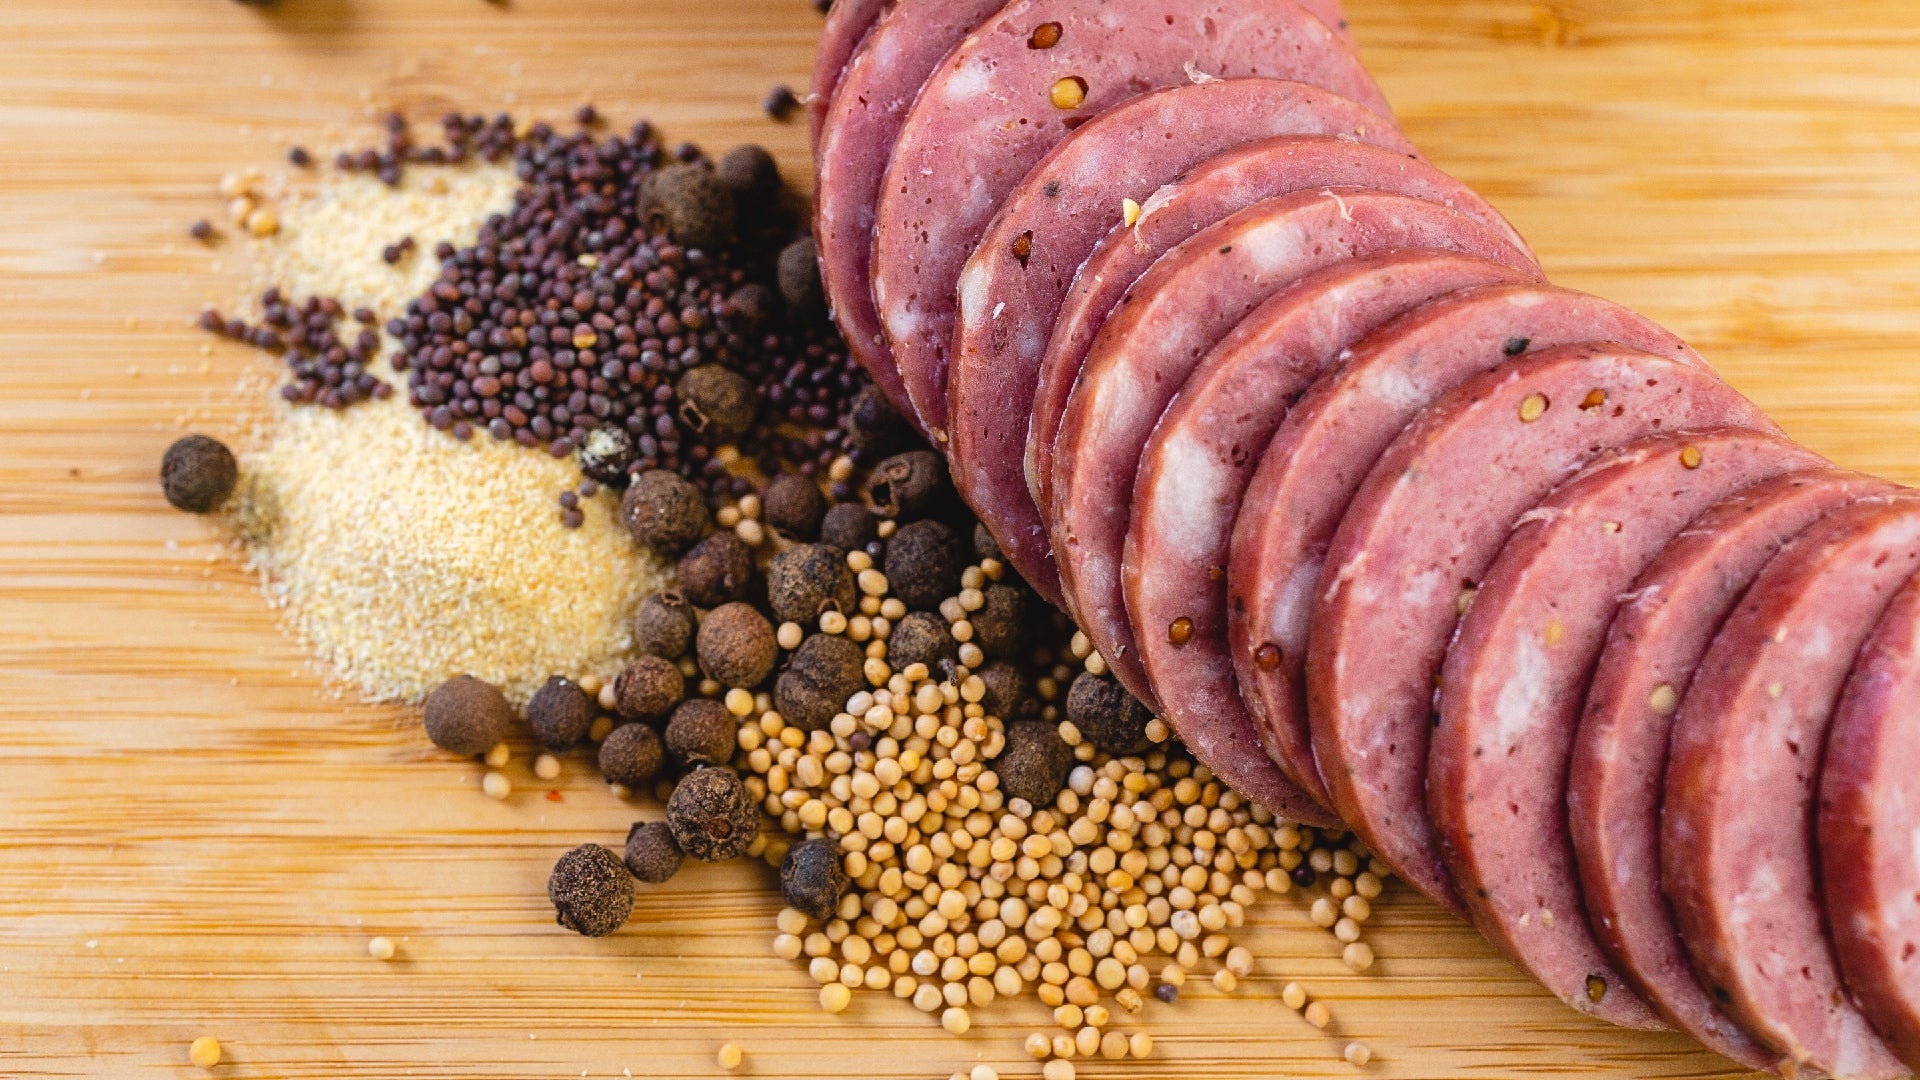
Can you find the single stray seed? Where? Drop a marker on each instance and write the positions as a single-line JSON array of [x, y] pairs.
[[380, 948], [1181, 631], [1068, 93], [1594, 399], [1664, 700], [730, 1056], [1689, 457], [1533, 407], [1596, 989], [1357, 1053], [1130, 212], [205, 1051], [1044, 36]]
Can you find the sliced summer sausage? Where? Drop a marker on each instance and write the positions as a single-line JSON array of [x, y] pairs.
[[1196, 466], [1307, 476], [1014, 89], [848, 21], [1869, 807], [1737, 816], [1517, 671], [1655, 643], [1011, 288], [1212, 191], [852, 152]]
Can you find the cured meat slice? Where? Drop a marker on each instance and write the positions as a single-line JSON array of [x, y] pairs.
[[1317, 461], [1180, 309], [1619, 764], [1515, 676], [852, 152], [1212, 191], [847, 23], [1011, 288], [1201, 455], [1014, 89], [1737, 818], [1869, 807]]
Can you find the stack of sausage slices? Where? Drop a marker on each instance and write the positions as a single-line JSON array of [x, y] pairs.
[[1392, 532]]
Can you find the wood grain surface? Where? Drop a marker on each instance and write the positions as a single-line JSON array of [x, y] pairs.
[[196, 838]]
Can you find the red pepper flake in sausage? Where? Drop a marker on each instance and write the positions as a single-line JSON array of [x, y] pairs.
[[1023, 247], [1044, 36], [1068, 92]]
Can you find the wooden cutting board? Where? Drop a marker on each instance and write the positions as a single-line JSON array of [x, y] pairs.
[[196, 839]]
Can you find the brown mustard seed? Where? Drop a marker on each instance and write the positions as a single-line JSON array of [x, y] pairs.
[[560, 713], [798, 273], [701, 732], [794, 506], [1000, 626], [1102, 709], [197, 474], [849, 527], [631, 755], [736, 646], [805, 581], [1008, 695], [923, 564], [648, 689], [812, 879], [716, 404], [664, 625], [780, 102], [466, 716], [652, 855], [712, 815], [750, 173], [1034, 764], [719, 570], [921, 637], [910, 485], [592, 892], [824, 672], [664, 512], [690, 204]]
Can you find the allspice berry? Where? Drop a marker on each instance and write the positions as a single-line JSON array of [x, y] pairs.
[[874, 426], [1105, 712], [1033, 765], [794, 506], [812, 879], [736, 646], [560, 713], [652, 855], [592, 892], [1008, 695], [719, 570], [984, 545], [823, 673], [750, 308], [197, 474], [849, 527], [805, 581], [751, 174], [648, 689], [631, 755], [701, 732], [466, 716], [921, 637], [688, 203], [712, 815], [606, 454], [910, 485], [1000, 626], [664, 625], [923, 564], [716, 403], [798, 271], [664, 512]]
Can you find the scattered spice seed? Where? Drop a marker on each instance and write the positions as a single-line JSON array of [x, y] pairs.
[[205, 1052], [730, 1055], [202, 231], [780, 102], [197, 473], [591, 891], [380, 948], [496, 786]]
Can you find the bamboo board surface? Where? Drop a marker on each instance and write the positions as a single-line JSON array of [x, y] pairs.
[[195, 838]]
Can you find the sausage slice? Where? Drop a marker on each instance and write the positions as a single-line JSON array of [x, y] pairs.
[[848, 22]]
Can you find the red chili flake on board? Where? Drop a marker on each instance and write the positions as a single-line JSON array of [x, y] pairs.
[[554, 795]]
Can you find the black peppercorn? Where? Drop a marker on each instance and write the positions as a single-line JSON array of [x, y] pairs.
[[719, 570], [812, 879], [910, 485], [701, 732], [690, 204], [632, 755], [798, 272], [712, 815], [197, 474], [780, 102], [923, 564], [560, 713], [652, 855], [824, 672], [736, 646], [794, 507], [921, 637], [648, 689], [1167, 992], [805, 581], [751, 174], [873, 425], [1102, 709], [1033, 765], [1000, 626], [1303, 876], [664, 625], [606, 454], [466, 716], [716, 404], [1008, 695], [664, 512], [592, 892], [848, 526]]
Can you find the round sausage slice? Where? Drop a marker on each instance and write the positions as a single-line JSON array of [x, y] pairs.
[[851, 154], [1203, 452], [1307, 476], [1012, 90], [848, 21], [1011, 288], [1737, 817], [1869, 805], [1215, 190], [1661, 631], [1517, 671]]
